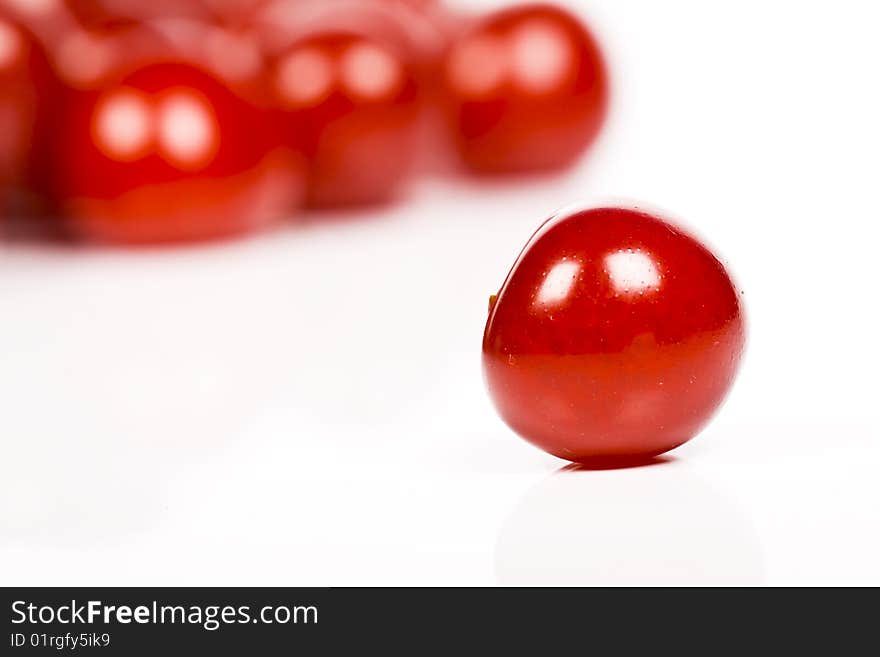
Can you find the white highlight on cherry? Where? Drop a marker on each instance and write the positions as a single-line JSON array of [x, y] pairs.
[[558, 282], [187, 130], [370, 72], [305, 77], [122, 125], [11, 44], [542, 56], [477, 67], [632, 271]]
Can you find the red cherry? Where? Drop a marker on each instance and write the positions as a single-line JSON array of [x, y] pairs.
[[352, 104], [170, 152], [526, 89], [615, 337]]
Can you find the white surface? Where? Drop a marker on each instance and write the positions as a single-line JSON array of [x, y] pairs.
[[307, 408]]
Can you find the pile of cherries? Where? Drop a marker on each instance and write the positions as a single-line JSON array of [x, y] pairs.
[[139, 122], [616, 335]]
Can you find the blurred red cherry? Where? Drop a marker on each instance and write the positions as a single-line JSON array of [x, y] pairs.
[[169, 151], [615, 337], [17, 107], [526, 90], [352, 105]]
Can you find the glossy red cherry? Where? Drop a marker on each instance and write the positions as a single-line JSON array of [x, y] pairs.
[[351, 104], [615, 337], [526, 89], [170, 151]]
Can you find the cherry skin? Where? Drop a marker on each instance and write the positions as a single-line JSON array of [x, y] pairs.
[[28, 99], [526, 89], [614, 339], [170, 152], [18, 105], [44, 19], [352, 105], [103, 12]]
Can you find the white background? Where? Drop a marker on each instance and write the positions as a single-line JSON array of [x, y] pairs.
[[307, 407]]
